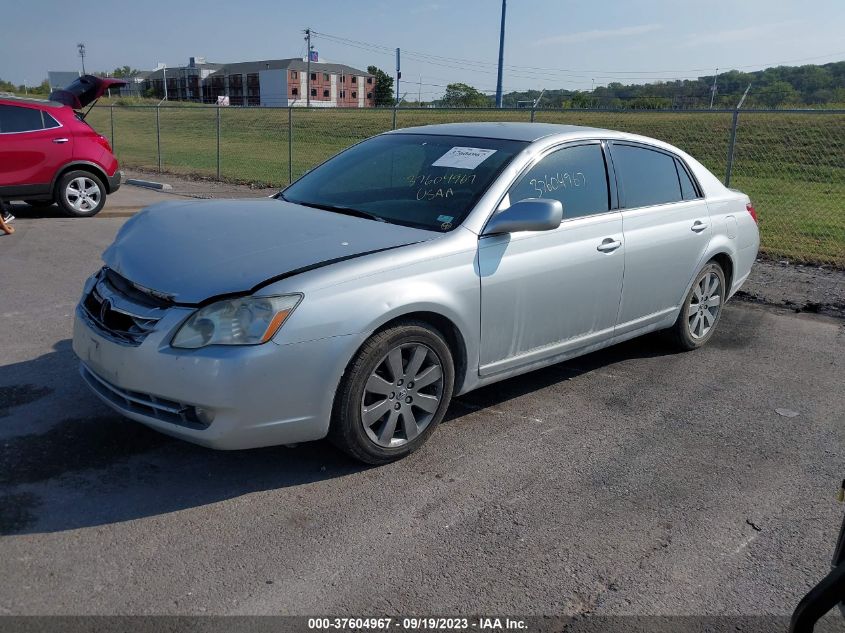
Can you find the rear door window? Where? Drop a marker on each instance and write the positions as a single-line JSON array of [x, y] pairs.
[[577, 176], [18, 119], [648, 177]]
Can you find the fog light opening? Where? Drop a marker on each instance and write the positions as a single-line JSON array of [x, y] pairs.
[[205, 416]]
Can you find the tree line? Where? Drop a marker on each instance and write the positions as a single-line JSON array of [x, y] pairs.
[[805, 86], [782, 86]]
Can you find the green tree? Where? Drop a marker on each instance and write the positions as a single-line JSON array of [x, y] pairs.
[[383, 92], [464, 96], [124, 71], [777, 93]]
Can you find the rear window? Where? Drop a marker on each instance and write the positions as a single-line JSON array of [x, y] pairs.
[[648, 176], [18, 119]]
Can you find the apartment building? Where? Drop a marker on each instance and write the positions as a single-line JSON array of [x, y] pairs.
[[284, 82], [270, 82], [184, 83]]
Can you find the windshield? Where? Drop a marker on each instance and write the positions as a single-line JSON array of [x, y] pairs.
[[427, 181]]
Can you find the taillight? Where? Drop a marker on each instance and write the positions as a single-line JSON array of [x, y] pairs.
[[102, 140], [750, 208]]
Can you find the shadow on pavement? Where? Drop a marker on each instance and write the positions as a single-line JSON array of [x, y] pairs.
[[24, 211], [94, 467]]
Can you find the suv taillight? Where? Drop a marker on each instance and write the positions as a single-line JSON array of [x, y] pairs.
[[102, 140], [750, 208]]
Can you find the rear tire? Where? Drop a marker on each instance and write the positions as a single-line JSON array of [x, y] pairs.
[[701, 310], [394, 393], [80, 194]]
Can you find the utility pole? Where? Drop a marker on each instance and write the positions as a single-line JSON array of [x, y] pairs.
[[398, 76], [713, 89], [164, 75], [81, 47], [501, 57], [419, 93], [308, 78]]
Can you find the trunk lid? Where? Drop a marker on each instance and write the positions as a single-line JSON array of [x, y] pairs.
[[84, 91]]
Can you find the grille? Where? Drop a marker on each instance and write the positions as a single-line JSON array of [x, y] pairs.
[[143, 403], [119, 312]]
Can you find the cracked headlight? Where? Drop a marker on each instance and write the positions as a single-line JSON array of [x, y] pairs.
[[240, 321]]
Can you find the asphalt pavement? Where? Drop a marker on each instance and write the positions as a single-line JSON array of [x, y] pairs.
[[630, 481]]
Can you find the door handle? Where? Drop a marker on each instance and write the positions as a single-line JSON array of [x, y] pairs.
[[698, 226], [608, 245], [61, 140]]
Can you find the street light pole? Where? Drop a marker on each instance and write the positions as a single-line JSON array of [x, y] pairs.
[[398, 76], [81, 47], [501, 57], [308, 78]]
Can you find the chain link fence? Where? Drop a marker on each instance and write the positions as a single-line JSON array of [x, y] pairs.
[[791, 163]]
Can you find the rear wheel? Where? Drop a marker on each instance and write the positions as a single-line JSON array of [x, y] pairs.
[[702, 309], [80, 194], [394, 393]]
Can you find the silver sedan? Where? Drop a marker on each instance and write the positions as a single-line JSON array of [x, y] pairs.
[[417, 265]]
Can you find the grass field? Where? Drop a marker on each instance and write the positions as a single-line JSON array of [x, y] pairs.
[[791, 164]]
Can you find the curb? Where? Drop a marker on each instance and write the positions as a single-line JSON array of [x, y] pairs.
[[149, 184]]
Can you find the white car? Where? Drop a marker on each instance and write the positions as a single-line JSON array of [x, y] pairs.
[[418, 264]]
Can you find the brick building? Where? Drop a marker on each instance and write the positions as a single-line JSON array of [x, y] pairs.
[[271, 82], [284, 82]]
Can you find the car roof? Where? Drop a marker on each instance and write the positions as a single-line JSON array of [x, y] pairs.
[[510, 131], [32, 101]]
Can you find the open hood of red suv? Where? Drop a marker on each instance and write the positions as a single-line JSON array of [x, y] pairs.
[[84, 91]]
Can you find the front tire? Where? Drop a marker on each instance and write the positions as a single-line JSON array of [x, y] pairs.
[[80, 194], [394, 393], [701, 310]]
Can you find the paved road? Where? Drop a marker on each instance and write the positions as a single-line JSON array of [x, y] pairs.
[[629, 481]]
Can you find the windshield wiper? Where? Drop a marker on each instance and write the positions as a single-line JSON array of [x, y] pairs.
[[339, 209]]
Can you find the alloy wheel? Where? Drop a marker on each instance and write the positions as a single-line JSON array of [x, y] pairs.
[[402, 395], [83, 194], [705, 304]]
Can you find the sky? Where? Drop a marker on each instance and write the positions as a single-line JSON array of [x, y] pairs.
[[549, 43]]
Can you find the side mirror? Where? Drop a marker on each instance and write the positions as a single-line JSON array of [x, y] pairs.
[[531, 214]]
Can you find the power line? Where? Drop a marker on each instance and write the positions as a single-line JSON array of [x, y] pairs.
[[577, 72]]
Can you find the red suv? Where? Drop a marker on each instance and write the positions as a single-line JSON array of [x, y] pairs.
[[48, 153]]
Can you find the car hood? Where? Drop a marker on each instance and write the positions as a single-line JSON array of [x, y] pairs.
[[84, 90], [190, 251]]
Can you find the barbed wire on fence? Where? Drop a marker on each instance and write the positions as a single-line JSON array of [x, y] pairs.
[[790, 162]]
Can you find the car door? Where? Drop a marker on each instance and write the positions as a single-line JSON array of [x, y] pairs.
[[546, 293], [667, 229], [33, 146]]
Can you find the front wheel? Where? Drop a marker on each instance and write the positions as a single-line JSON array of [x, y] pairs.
[[80, 194], [701, 310], [394, 393]]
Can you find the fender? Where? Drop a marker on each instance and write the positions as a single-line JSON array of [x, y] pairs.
[[719, 245], [84, 164]]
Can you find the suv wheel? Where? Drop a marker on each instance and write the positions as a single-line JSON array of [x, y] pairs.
[[80, 194], [394, 393]]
